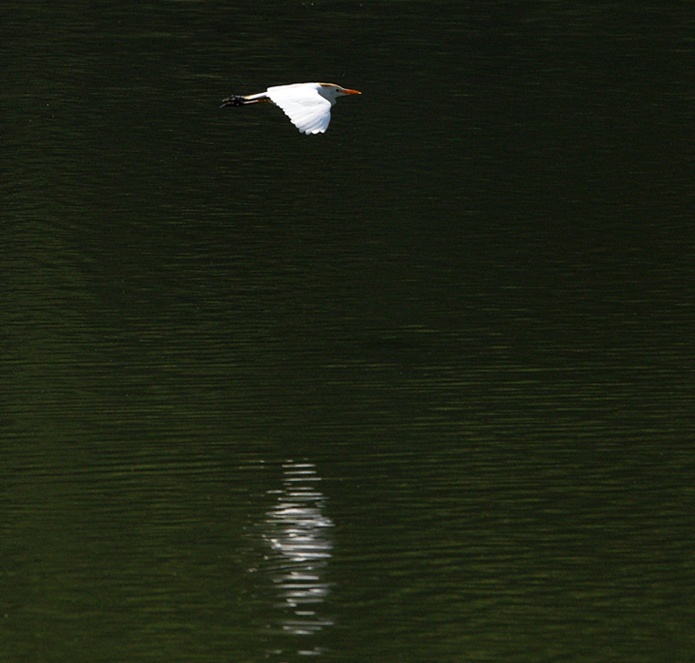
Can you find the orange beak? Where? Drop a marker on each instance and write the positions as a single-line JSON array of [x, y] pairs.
[[346, 91]]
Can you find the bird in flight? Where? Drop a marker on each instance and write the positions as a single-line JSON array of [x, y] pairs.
[[308, 105]]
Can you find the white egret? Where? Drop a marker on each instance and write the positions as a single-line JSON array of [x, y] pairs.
[[308, 105]]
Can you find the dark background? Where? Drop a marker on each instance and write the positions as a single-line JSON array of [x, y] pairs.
[[467, 309]]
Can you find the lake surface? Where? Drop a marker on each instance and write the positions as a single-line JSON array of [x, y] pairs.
[[420, 389]]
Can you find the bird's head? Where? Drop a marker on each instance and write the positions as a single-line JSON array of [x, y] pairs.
[[331, 91]]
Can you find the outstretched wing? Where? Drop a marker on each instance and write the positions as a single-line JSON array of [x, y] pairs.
[[306, 108]]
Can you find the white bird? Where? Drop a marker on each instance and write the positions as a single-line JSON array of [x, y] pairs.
[[308, 105]]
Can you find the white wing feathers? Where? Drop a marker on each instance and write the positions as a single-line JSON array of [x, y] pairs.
[[308, 110]]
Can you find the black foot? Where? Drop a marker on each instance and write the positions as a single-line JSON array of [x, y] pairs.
[[234, 100]]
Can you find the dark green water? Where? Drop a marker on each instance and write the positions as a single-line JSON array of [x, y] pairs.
[[420, 389]]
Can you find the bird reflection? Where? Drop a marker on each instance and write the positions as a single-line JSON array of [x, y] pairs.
[[297, 533]]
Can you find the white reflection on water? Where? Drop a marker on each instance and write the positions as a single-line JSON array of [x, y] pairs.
[[297, 532]]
